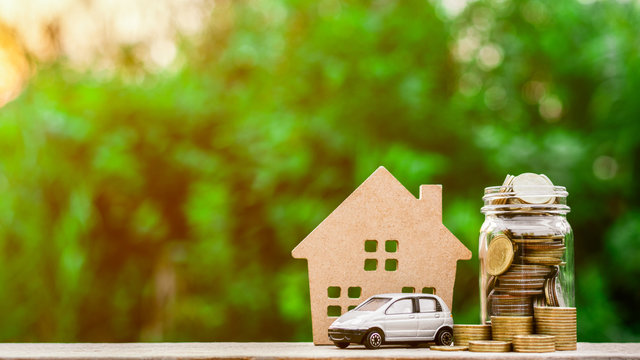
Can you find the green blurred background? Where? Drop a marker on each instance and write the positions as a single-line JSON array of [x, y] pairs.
[[153, 184]]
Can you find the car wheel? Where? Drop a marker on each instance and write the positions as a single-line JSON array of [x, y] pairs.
[[444, 337], [374, 339], [342, 345]]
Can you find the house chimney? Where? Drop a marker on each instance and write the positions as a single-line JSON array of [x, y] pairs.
[[431, 195]]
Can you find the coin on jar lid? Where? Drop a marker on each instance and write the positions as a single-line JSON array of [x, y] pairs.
[[499, 255], [533, 188]]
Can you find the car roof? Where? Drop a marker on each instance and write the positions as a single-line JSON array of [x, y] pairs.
[[399, 295]]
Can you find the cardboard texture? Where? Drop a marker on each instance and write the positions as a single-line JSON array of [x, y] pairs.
[[381, 239]]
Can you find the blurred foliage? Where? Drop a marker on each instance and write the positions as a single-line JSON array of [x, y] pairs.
[[163, 206]]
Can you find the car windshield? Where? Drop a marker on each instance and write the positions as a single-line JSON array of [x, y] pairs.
[[372, 304]]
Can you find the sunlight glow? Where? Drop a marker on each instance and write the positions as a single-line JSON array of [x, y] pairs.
[[14, 67]]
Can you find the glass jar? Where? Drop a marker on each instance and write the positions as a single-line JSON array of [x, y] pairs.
[[525, 251]]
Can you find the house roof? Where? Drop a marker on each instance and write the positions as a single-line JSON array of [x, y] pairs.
[[379, 193]]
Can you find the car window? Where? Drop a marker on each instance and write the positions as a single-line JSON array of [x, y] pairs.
[[427, 305], [403, 306], [372, 304]]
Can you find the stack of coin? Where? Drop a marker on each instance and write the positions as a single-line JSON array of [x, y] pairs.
[[550, 294], [534, 343], [547, 250], [514, 289], [463, 333], [560, 322], [505, 188], [505, 327], [503, 304], [489, 346]]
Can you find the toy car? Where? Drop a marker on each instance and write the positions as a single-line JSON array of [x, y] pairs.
[[394, 318]]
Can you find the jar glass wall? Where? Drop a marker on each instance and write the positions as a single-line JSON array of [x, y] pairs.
[[525, 251]]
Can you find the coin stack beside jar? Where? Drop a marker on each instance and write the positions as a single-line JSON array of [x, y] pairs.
[[462, 334], [560, 322], [505, 327], [489, 346], [534, 343]]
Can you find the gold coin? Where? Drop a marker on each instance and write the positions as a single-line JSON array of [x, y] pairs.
[[533, 188], [554, 318], [474, 326], [514, 318], [537, 251], [490, 346], [533, 344], [499, 255], [568, 347], [459, 332], [543, 260], [461, 342], [471, 326], [532, 240], [556, 309], [534, 350], [556, 326], [506, 187], [514, 327], [534, 337], [449, 348], [560, 336]]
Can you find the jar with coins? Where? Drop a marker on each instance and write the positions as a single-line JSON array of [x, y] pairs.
[[525, 248]]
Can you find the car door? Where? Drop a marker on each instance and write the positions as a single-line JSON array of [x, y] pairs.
[[430, 317], [400, 320]]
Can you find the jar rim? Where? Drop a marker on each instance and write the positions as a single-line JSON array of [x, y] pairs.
[[556, 189], [500, 199]]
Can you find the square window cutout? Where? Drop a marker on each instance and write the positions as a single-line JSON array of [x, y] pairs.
[[354, 292], [408, 290], [333, 292], [428, 290], [334, 311], [370, 264], [391, 246], [391, 264], [370, 245]]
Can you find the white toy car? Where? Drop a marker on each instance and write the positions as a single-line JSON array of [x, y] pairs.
[[394, 318]]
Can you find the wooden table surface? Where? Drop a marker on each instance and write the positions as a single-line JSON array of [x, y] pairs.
[[185, 351]]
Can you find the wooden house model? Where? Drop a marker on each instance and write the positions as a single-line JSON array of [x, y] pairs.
[[381, 239]]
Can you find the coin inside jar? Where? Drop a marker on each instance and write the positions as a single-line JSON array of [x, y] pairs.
[[532, 188], [499, 255]]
